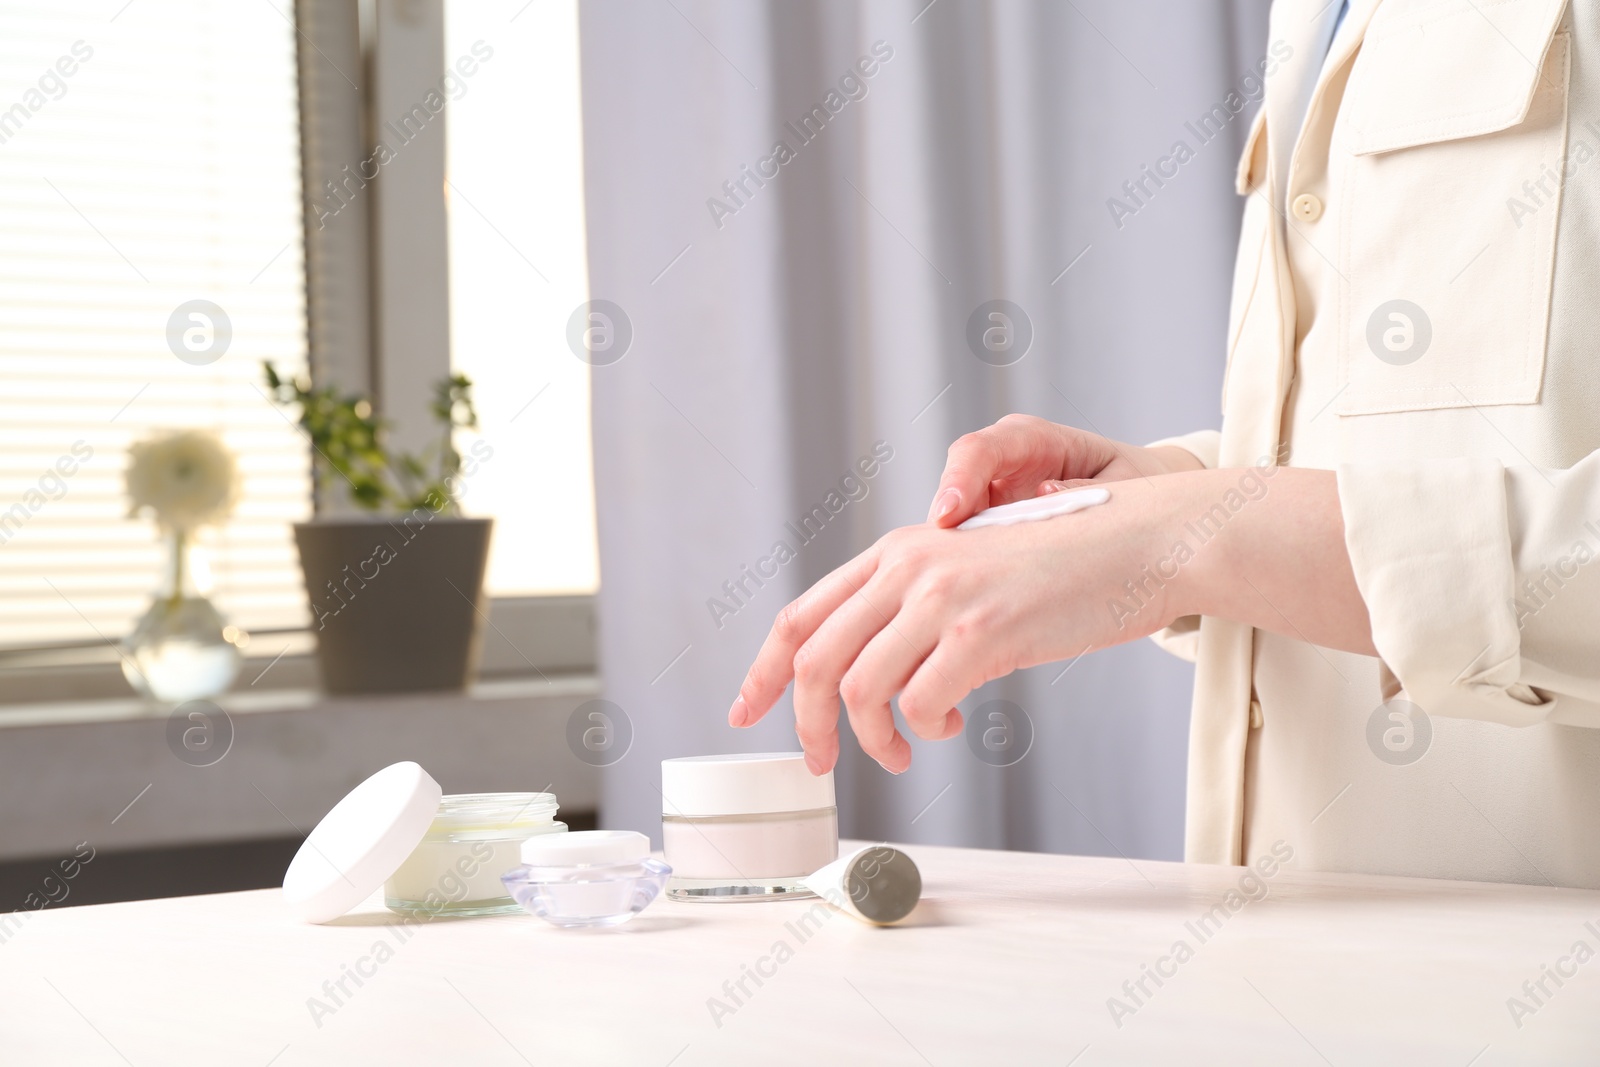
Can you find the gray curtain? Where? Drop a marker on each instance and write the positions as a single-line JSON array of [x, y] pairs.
[[782, 325]]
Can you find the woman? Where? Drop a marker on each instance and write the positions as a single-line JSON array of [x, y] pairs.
[[1381, 562]]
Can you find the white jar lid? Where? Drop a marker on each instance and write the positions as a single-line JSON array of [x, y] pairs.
[[748, 783], [361, 842], [588, 848]]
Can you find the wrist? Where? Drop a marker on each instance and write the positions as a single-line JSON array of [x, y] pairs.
[[1154, 573], [1269, 551], [1196, 523]]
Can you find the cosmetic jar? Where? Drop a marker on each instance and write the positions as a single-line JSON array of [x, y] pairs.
[[430, 854], [587, 878], [474, 839], [745, 827]]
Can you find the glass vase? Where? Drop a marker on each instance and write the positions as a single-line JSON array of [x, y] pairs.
[[183, 648]]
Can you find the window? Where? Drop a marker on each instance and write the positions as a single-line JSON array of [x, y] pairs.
[[514, 171], [149, 157], [152, 157]]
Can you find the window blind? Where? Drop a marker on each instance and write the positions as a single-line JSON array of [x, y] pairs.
[[149, 157]]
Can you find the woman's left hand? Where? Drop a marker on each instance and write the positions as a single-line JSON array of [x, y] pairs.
[[934, 613]]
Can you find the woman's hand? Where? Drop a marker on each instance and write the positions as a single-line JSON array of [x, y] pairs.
[[1021, 457], [934, 613]]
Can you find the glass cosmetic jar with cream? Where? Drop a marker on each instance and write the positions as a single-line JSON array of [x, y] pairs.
[[431, 854], [588, 878], [474, 839], [745, 827]]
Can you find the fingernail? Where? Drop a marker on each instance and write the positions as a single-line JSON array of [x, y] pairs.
[[813, 765], [948, 501], [739, 714], [1054, 487]]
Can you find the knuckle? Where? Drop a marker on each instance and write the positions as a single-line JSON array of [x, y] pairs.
[[872, 726], [972, 447], [914, 544], [910, 704], [854, 691], [961, 445], [918, 709], [903, 548], [808, 664], [894, 540], [786, 627], [937, 585], [900, 569]]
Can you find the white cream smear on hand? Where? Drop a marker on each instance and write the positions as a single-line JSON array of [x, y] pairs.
[[1040, 507]]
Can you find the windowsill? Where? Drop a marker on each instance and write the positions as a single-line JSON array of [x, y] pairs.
[[525, 636], [120, 709], [107, 771]]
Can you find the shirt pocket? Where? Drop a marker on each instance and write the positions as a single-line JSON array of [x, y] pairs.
[[1450, 142]]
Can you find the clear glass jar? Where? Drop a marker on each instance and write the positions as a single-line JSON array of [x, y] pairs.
[[748, 857], [474, 839], [589, 878]]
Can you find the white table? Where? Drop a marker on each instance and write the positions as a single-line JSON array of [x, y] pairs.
[[1010, 959]]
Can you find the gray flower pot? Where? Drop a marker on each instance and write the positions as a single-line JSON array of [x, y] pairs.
[[397, 604]]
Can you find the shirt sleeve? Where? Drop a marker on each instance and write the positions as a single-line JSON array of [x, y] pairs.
[[1182, 638], [1202, 444], [1481, 585]]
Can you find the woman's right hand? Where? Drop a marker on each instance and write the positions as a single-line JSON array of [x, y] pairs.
[[1023, 456]]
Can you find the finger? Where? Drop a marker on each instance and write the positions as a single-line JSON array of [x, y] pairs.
[[971, 464], [881, 671], [773, 668], [978, 461], [821, 663], [944, 679]]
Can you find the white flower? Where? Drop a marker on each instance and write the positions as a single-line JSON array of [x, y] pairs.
[[188, 479]]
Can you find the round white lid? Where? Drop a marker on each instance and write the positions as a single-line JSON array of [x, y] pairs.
[[361, 842], [585, 848], [747, 783]]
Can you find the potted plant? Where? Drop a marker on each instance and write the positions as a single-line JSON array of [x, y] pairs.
[[397, 599]]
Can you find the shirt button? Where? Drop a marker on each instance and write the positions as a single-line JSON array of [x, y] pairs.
[[1307, 208]]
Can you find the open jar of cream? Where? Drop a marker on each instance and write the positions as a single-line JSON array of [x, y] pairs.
[[745, 827], [473, 840], [431, 854]]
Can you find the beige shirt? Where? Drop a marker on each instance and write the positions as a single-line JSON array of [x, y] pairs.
[[1424, 318]]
